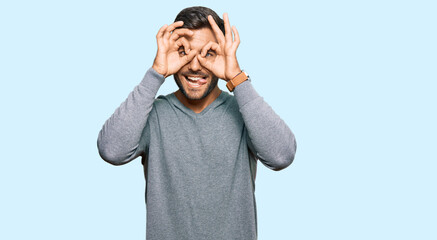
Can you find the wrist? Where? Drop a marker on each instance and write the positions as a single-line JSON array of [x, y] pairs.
[[159, 70], [152, 80], [237, 80], [233, 74]]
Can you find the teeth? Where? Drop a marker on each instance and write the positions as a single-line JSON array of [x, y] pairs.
[[194, 78]]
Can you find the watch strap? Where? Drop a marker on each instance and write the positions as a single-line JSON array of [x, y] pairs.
[[237, 80]]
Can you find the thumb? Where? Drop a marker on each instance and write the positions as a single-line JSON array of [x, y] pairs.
[[204, 62]]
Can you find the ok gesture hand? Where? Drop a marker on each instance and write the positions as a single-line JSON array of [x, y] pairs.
[[220, 58], [173, 49]]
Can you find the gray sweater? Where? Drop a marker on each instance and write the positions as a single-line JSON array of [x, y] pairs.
[[200, 168]]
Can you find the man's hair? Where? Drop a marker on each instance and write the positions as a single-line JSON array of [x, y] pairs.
[[197, 18]]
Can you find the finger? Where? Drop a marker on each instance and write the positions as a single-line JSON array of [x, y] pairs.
[[161, 31], [204, 62], [209, 46], [180, 32], [215, 28], [172, 27], [183, 42], [205, 49], [236, 37], [190, 56], [228, 33]]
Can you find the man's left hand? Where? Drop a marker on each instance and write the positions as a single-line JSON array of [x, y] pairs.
[[220, 58]]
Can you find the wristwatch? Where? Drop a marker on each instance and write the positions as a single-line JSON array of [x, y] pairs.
[[237, 80]]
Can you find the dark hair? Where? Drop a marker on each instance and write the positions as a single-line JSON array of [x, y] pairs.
[[197, 17]]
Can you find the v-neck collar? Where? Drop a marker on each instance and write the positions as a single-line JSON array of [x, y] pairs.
[[219, 100]]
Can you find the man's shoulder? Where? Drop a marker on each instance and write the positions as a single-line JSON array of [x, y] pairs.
[[162, 103], [230, 100], [163, 100]]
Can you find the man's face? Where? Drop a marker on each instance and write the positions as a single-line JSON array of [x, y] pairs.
[[193, 80]]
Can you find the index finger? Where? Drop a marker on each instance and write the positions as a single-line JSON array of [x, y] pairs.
[[172, 27], [183, 42], [218, 33], [180, 32]]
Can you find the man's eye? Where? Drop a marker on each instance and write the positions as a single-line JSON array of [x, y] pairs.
[[181, 51], [209, 54]]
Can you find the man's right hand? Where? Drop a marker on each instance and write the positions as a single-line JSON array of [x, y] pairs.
[[173, 49]]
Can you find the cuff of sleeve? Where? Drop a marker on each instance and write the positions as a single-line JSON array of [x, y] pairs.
[[245, 93], [152, 80]]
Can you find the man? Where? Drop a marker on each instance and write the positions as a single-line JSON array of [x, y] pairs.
[[199, 145]]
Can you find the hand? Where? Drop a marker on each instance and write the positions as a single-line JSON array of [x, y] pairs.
[[220, 58], [173, 49]]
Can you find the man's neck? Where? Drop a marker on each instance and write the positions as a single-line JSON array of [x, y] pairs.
[[198, 105]]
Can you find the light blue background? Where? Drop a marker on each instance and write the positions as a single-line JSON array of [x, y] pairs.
[[355, 80]]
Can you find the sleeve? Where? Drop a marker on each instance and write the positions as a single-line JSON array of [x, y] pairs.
[[270, 139], [119, 139]]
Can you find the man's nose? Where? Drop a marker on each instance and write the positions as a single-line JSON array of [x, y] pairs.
[[195, 64]]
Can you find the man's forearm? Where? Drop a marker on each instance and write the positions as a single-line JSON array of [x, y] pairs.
[[272, 140], [119, 138]]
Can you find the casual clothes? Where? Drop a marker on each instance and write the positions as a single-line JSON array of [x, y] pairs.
[[200, 167]]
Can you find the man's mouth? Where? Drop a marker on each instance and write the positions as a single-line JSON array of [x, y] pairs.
[[195, 81]]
